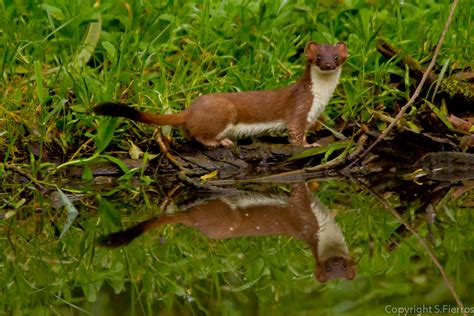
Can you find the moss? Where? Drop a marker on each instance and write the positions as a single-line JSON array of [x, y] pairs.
[[455, 87]]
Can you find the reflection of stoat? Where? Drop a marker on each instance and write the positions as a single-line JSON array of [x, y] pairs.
[[333, 256], [301, 216]]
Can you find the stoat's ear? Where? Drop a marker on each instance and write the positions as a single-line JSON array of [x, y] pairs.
[[342, 50], [310, 50]]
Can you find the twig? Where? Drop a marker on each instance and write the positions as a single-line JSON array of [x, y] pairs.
[[38, 184], [417, 90], [422, 241], [80, 148], [184, 172], [167, 200], [165, 150]]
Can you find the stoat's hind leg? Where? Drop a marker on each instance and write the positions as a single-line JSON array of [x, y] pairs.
[[209, 119]]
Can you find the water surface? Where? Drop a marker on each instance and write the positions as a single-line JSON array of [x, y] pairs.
[[320, 247]]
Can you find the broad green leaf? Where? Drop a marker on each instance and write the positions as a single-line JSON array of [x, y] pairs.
[[110, 49], [53, 11], [87, 173], [320, 150], [413, 127], [118, 162], [166, 17], [108, 212], [440, 114], [105, 133]]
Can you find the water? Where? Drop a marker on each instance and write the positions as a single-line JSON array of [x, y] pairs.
[[145, 249]]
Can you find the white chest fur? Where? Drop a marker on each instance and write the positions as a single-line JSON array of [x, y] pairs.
[[322, 87], [330, 239]]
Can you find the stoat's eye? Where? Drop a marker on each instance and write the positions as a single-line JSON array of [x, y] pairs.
[[344, 267], [318, 58], [328, 269], [336, 57]]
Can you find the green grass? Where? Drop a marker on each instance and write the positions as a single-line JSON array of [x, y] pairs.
[[160, 56]]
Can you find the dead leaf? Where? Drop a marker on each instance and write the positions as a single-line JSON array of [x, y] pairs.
[[313, 185], [459, 191], [459, 123], [135, 152], [209, 175], [464, 76]]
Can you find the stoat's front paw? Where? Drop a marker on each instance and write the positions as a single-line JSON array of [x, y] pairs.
[[312, 145]]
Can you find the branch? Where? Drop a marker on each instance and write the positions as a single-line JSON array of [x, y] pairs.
[[416, 70], [165, 150], [11, 167]]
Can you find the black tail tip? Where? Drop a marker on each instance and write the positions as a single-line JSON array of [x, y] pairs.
[[116, 109], [108, 108]]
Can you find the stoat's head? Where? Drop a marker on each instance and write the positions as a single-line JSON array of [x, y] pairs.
[[335, 268], [326, 58]]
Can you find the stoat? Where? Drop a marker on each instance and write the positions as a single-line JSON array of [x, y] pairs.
[[217, 118]]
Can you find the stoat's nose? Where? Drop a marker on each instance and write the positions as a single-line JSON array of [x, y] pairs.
[[327, 66]]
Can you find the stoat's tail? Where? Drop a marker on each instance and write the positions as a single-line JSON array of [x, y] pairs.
[[122, 110], [125, 237]]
